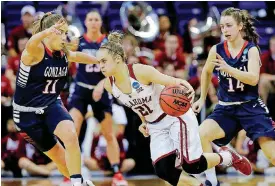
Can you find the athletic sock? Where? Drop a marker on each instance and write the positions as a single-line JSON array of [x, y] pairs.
[[76, 178], [115, 168], [211, 176]]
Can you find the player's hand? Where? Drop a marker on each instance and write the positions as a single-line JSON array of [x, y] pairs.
[[220, 64], [144, 129], [55, 29], [97, 93], [197, 106], [190, 91]]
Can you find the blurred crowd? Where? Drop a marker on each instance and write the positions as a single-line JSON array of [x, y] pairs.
[[171, 53]]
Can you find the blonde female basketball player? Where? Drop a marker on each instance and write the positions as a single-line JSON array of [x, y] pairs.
[[175, 142]]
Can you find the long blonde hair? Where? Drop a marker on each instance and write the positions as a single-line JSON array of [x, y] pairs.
[[114, 45], [45, 22]]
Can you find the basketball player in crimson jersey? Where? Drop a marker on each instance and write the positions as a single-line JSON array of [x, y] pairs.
[[175, 142]]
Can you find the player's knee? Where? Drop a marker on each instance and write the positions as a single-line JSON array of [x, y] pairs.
[[205, 135], [23, 162], [196, 167], [108, 118], [109, 136], [264, 82], [70, 139]]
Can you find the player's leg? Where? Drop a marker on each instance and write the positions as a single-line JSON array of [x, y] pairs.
[[78, 118], [265, 87], [127, 165], [66, 132], [112, 144], [91, 163], [2, 164], [57, 155], [103, 113], [51, 166], [60, 123], [78, 109], [257, 123], [267, 145], [47, 143], [32, 168], [220, 129], [165, 169], [165, 154]]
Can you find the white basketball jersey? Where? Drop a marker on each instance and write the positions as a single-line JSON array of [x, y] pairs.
[[144, 99]]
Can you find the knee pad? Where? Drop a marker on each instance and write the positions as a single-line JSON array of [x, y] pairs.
[[165, 169], [196, 167]]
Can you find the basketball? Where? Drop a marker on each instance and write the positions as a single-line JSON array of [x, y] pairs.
[[174, 100]]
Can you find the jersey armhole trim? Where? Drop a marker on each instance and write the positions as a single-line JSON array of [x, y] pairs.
[[111, 80], [131, 71]]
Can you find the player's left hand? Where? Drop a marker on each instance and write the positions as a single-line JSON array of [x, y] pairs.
[[221, 64], [190, 91], [97, 93]]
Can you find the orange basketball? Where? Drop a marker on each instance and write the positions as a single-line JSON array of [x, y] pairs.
[[174, 101]]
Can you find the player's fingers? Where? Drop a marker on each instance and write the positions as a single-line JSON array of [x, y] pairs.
[[191, 94], [60, 23], [215, 63], [57, 32], [219, 57]]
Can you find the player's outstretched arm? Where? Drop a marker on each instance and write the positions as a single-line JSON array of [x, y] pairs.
[[34, 50], [251, 77], [81, 57], [148, 74]]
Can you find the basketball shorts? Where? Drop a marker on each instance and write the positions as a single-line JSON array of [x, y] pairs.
[[252, 116], [38, 129], [82, 97], [178, 135]]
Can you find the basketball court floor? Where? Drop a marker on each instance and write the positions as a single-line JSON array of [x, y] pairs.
[[141, 181]]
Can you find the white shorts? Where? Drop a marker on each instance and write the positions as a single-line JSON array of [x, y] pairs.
[[119, 115], [176, 135]]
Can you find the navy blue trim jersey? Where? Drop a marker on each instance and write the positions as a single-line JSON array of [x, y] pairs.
[[40, 85], [231, 89], [89, 74]]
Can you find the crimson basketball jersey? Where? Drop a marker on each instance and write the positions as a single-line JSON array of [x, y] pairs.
[[144, 99]]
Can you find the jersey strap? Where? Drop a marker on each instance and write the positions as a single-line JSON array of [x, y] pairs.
[[131, 71], [111, 80]]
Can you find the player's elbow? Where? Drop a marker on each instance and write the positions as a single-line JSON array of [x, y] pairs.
[[254, 80]]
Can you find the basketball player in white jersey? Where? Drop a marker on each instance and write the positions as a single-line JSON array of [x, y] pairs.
[[175, 141]]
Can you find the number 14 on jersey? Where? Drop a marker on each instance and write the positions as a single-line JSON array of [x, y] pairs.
[[238, 86]]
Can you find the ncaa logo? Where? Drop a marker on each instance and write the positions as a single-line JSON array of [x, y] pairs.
[[244, 59], [135, 85], [245, 51]]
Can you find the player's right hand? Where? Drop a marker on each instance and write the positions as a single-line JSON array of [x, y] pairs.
[[197, 106], [144, 129], [55, 28]]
